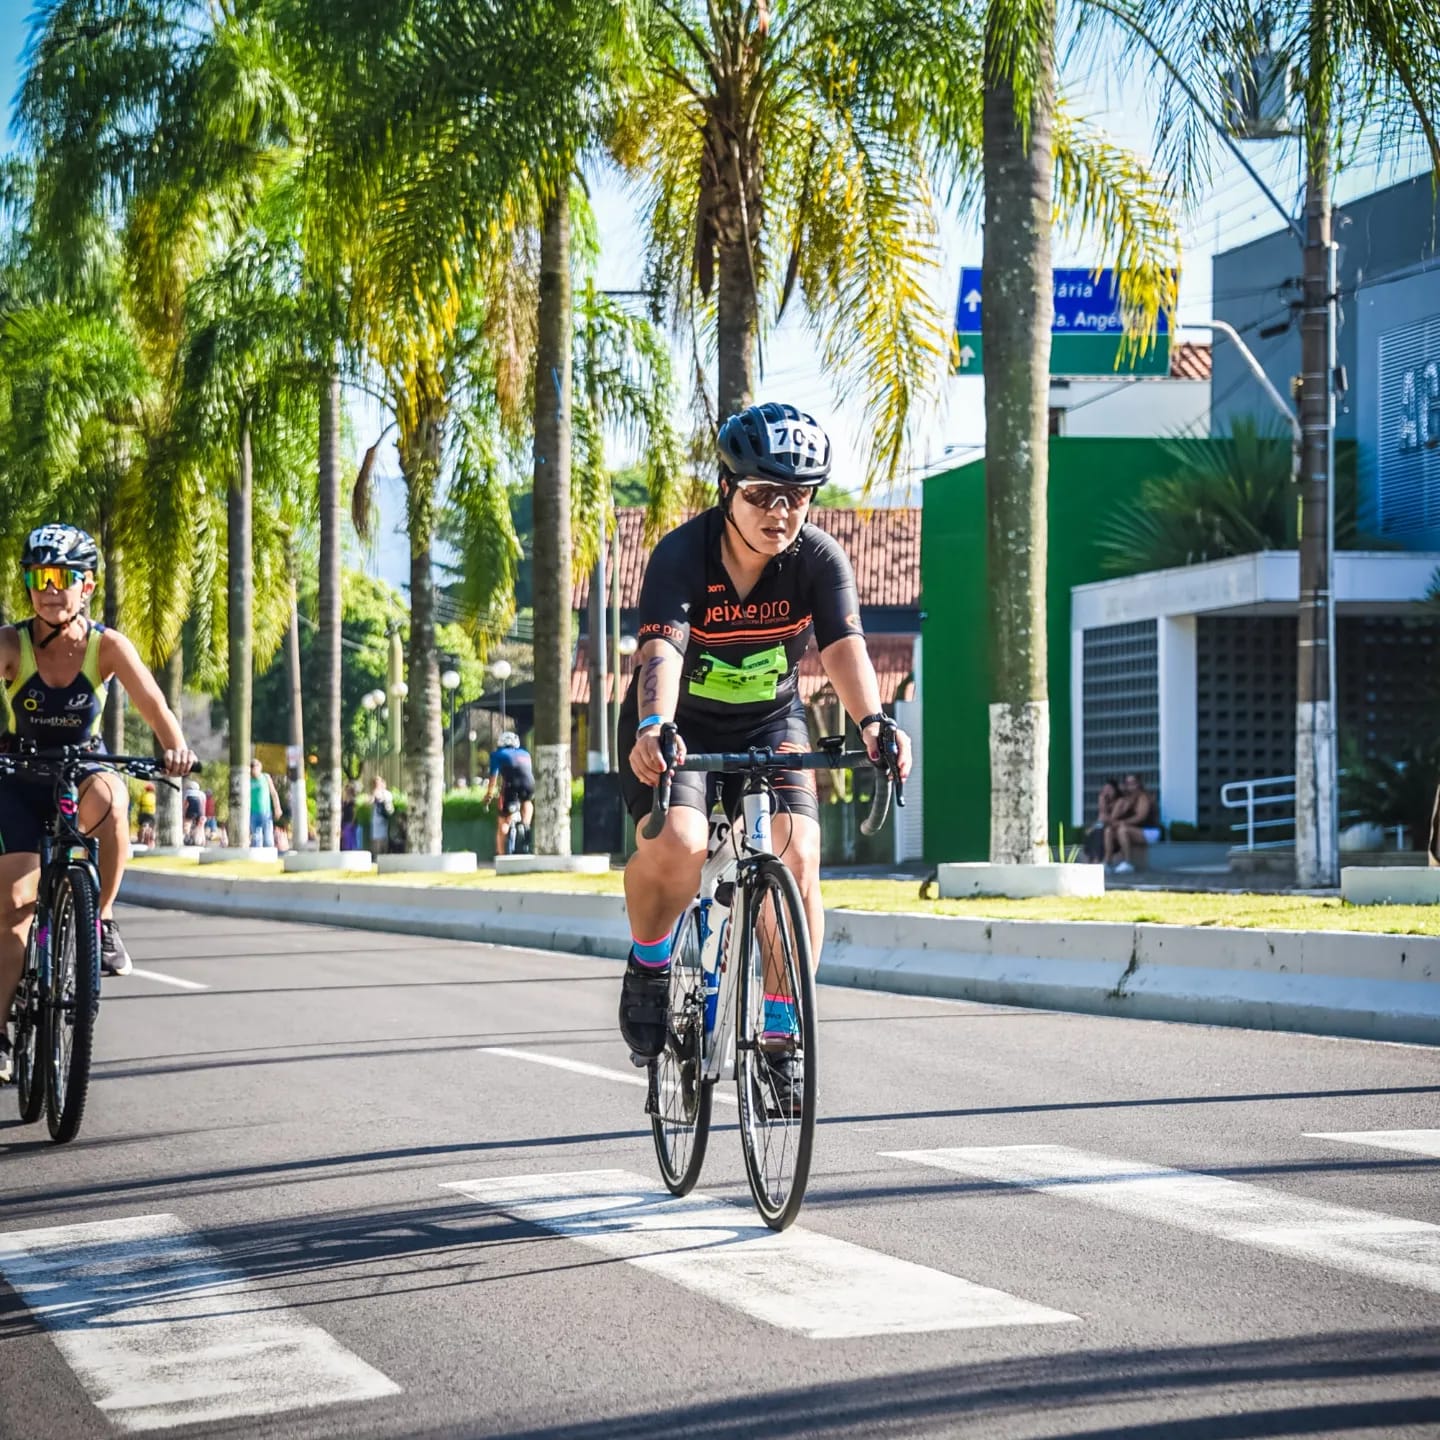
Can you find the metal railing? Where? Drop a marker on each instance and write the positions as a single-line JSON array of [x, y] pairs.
[[1265, 794]]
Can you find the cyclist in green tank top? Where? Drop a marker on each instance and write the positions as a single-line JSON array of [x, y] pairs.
[[57, 666]]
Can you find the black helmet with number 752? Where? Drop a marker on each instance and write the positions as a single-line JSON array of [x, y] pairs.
[[775, 442]]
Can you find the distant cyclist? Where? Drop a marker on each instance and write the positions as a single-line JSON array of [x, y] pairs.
[[512, 771], [727, 608], [57, 666]]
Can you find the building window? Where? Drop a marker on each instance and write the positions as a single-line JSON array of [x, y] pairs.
[[1121, 714]]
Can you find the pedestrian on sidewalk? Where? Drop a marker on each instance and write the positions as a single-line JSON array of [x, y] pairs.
[[264, 806]]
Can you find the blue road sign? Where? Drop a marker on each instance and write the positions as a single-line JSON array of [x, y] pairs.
[[1087, 302], [1087, 333]]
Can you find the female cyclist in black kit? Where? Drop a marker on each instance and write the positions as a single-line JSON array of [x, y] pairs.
[[726, 609]]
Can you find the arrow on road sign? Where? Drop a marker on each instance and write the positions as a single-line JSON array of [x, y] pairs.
[[966, 356], [971, 301]]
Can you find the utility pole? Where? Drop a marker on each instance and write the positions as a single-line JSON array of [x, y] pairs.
[[1317, 852]]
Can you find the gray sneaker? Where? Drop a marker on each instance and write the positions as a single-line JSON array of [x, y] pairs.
[[7, 1060], [114, 957]]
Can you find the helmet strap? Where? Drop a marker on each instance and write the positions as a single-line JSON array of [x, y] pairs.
[[61, 628]]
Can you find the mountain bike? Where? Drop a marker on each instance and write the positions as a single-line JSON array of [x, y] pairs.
[[744, 937], [59, 993]]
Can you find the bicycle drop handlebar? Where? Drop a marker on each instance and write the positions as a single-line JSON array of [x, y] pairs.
[[764, 760]]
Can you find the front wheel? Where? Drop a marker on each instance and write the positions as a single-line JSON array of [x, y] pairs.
[[776, 1064], [30, 1012], [74, 1000], [681, 1119]]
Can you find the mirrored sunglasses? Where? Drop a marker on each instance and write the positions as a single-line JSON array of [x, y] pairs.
[[52, 577], [766, 495]]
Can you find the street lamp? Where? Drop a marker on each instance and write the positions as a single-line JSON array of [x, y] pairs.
[[502, 670], [371, 701], [450, 682]]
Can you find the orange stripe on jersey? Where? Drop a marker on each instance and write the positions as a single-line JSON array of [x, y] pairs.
[[731, 637]]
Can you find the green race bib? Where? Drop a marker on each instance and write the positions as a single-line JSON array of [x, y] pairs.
[[751, 682]]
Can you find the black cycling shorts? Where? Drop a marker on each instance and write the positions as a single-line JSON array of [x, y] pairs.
[[515, 795], [26, 807], [794, 789]]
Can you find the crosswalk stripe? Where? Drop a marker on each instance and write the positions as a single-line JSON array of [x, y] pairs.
[[823, 1288], [1364, 1242], [161, 1332], [164, 979], [1408, 1142]]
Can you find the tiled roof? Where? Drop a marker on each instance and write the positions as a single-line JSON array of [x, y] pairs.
[[1189, 361], [892, 655], [883, 546]]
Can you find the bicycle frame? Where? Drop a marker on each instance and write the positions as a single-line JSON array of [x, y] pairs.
[[731, 851]]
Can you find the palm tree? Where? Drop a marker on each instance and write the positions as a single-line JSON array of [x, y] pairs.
[[1230, 495], [1040, 162], [452, 133], [1364, 72]]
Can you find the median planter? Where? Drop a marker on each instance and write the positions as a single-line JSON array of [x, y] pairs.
[[240, 855], [299, 861], [1390, 885], [451, 862], [1020, 882]]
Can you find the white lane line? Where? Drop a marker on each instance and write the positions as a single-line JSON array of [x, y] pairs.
[[168, 979], [1364, 1242], [1408, 1142], [161, 1332], [595, 1072], [823, 1288]]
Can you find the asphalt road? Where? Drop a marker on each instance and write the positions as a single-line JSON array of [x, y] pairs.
[[1020, 1224]]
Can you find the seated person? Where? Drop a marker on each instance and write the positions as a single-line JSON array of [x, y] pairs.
[[1104, 810], [1132, 824]]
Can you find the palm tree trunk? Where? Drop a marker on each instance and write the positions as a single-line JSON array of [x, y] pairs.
[[1317, 856], [327, 653], [240, 620], [552, 533], [737, 231], [299, 809], [169, 805], [1019, 302], [420, 454], [112, 724]]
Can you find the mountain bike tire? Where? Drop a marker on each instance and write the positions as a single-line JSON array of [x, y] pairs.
[[74, 1000], [681, 1126], [777, 1138]]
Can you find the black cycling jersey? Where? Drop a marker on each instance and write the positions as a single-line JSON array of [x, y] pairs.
[[742, 657]]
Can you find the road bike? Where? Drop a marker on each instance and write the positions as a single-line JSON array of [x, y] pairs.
[[744, 937], [58, 997]]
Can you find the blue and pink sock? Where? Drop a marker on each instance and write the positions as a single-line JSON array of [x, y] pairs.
[[780, 1022], [651, 954]]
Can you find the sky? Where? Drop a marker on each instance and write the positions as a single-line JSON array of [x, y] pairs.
[[1231, 213]]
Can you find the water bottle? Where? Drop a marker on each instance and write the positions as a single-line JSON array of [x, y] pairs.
[[711, 950]]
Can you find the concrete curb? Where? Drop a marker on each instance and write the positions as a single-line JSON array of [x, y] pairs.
[[1374, 987]]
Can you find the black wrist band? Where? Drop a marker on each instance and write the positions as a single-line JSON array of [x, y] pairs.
[[874, 720]]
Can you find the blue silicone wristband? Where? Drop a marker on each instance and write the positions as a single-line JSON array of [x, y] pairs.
[[648, 721]]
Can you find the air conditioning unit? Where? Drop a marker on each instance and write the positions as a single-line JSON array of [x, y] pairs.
[[1257, 103]]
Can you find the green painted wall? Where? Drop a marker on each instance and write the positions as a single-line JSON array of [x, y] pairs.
[[1089, 480]]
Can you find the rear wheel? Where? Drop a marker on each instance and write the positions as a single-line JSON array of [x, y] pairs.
[[30, 1011], [776, 1072], [682, 1121], [74, 1001]]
